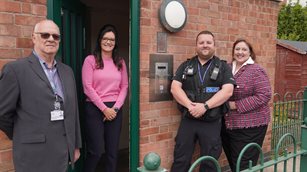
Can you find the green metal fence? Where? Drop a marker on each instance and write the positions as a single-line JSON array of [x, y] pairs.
[[277, 159], [287, 117]]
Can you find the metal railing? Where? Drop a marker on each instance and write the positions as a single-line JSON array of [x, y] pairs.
[[205, 158], [287, 117], [272, 163]]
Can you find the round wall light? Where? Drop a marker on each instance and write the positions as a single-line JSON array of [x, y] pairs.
[[173, 15]]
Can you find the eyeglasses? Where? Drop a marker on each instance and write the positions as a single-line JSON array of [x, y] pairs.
[[45, 35], [108, 39]]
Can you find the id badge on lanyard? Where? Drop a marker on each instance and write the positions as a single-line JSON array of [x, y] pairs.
[[57, 114]]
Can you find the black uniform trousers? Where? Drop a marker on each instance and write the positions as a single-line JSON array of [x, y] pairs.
[[190, 131], [99, 133], [235, 140]]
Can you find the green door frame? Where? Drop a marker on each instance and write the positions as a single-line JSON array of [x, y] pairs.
[[134, 83], [54, 13]]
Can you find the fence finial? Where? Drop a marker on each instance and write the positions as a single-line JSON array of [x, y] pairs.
[[151, 163]]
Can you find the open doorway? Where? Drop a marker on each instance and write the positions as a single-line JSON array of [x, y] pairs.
[[79, 22], [97, 14]]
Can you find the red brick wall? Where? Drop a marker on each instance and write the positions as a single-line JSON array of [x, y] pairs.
[[17, 19], [255, 20]]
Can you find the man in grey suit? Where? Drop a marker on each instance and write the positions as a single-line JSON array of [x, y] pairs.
[[39, 107]]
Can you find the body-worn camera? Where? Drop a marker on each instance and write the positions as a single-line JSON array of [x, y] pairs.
[[188, 71]]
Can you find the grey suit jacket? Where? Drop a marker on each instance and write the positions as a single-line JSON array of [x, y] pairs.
[[26, 100]]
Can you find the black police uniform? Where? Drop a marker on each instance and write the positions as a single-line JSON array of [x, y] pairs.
[[200, 83]]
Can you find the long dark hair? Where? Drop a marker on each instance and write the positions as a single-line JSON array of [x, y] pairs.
[[97, 52], [251, 50]]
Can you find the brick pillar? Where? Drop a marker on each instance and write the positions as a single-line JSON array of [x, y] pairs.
[[17, 19], [6, 162]]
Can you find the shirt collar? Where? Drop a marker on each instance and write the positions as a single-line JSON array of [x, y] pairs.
[[42, 62], [234, 64]]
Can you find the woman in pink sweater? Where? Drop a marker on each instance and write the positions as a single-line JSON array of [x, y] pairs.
[[105, 84]]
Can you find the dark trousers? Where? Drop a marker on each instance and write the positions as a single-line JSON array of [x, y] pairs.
[[99, 133], [207, 134], [235, 140]]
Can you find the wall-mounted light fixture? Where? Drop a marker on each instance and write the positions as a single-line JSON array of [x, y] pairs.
[[173, 15]]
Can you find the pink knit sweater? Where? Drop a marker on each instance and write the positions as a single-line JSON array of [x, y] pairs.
[[104, 85]]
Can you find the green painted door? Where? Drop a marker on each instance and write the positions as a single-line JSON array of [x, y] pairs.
[[72, 50], [73, 46], [69, 16]]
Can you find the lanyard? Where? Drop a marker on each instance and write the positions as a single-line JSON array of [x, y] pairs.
[[202, 78], [52, 76]]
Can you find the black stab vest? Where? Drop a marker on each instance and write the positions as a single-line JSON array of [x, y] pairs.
[[198, 92]]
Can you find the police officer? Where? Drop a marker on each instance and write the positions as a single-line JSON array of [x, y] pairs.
[[201, 86]]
